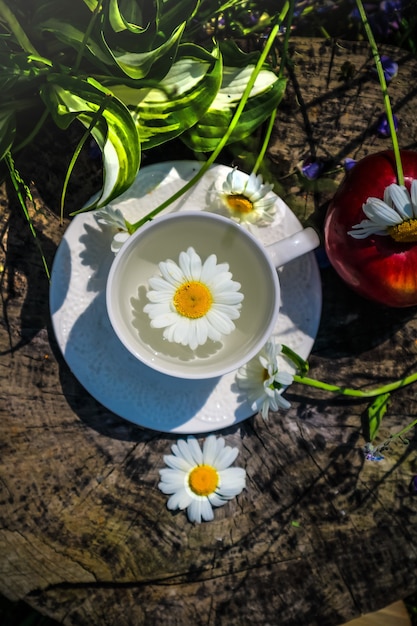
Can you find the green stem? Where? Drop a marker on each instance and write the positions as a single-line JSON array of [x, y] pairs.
[[357, 393], [273, 115], [21, 37], [87, 35], [207, 164], [18, 185], [29, 138], [404, 430], [265, 142], [77, 151], [383, 83]]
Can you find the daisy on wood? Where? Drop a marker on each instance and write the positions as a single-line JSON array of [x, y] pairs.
[[198, 479]]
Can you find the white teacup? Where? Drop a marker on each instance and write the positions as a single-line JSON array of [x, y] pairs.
[[250, 263]]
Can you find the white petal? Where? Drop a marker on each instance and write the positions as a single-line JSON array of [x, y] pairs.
[[200, 509], [160, 318], [253, 185], [195, 450], [218, 323], [265, 409], [118, 240], [216, 500], [160, 284], [284, 378], [183, 449], [201, 330], [179, 500], [282, 402], [211, 449], [226, 457], [366, 228], [210, 269], [233, 480], [414, 196], [380, 213], [228, 299], [238, 181], [181, 331], [171, 272], [401, 200], [190, 264], [176, 461], [171, 480]]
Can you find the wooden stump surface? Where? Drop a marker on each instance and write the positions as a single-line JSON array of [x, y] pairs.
[[320, 535]]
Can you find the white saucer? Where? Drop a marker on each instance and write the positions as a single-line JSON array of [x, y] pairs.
[[102, 364]]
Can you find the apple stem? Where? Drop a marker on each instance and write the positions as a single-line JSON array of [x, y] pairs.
[[383, 83]]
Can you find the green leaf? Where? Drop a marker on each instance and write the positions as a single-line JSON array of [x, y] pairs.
[[113, 127], [120, 22], [376, 412], [138, 64], [264, 98], [72, 34], [183, 97], [172, 12], [18, 74], [301, 365]]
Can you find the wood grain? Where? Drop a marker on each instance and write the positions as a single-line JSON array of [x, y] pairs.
[[319, 536]]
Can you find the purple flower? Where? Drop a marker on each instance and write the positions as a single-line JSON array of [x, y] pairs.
[[372, 453], [413, 485], [349, 163], [389, 66], [382, 127], [250, 19], [384, 18], [312, 168]]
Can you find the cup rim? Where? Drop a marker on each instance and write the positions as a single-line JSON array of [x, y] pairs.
[[191, 373]]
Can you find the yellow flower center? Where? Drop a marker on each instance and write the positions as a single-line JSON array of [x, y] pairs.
[[239, 203], [406, 232], [203, 480], [193, 299]]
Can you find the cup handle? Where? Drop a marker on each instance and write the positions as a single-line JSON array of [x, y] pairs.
[[289, 248]]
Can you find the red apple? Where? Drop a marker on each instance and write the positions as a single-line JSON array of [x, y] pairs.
[[376, 267]]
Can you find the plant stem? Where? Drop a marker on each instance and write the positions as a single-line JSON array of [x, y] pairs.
[[29, 138], [86, 36], [273, 115], [18, 185], [383, 83], [77, 151], [207, 164], [404, 430], [357, 393], [265, 142]]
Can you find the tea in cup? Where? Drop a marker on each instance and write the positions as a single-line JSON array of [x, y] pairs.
[[194, 295]]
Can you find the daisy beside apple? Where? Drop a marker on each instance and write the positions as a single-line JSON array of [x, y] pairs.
[[371, 229], [371, 224]]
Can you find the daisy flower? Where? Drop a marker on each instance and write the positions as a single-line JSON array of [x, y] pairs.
[[197, 479], [194, 301], [395, 215], [246, 198], [109, 216], [263, 382]]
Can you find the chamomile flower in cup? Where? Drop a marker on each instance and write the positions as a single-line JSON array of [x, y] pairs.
[[194, 301], [194, 295]]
